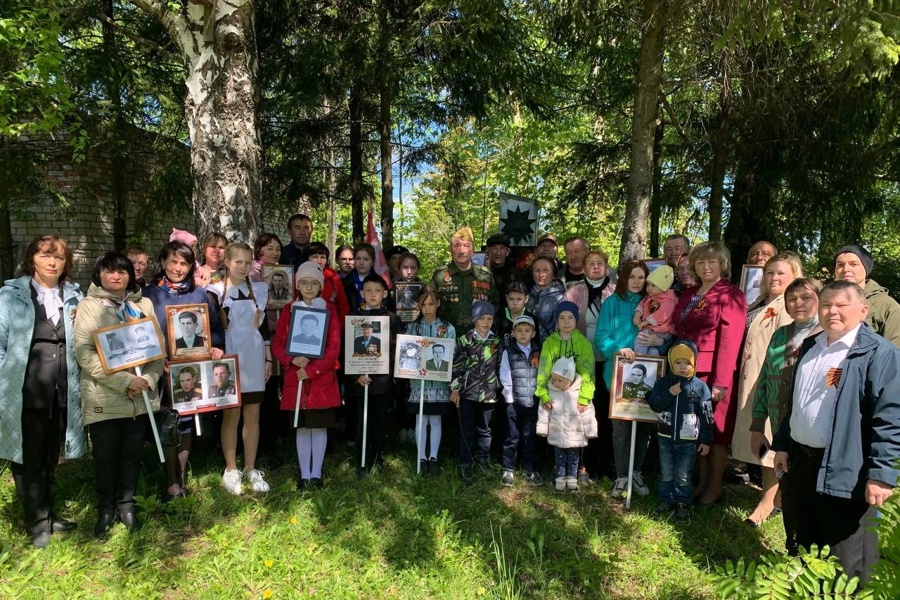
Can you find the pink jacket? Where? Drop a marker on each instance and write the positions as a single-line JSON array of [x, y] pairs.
[[659, 311]]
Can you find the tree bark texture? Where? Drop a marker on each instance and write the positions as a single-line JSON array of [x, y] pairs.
[[357, 191], [387, 175], [116, 143], [656, 198], [644, 123], [217, 42], [717, 175]]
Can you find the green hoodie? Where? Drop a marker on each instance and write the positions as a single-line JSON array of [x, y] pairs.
[[577, 347]]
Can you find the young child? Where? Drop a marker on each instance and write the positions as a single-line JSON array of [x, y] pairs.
[[684, 429], [474, 387], [374, 292], [242, 306], [567, 423], [655, 311], [437, 393], [518, 375], [321, 396], [516, 297]]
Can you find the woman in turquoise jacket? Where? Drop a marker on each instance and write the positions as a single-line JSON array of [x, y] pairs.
[[615, 333], [40, 395]]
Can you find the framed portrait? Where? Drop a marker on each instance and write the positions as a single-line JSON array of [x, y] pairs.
[[187, 328], [204, 385], [129, 344], [367, 345], [751, 281], [419, 357], [308, 332], [654, 263], [280, 279], [406, 295], [631, 386]]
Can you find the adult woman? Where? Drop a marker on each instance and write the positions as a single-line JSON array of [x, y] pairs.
[[546, 293], [212, 262], [266, 251], [712, 316], [408, 267], [173, 285], [40, 395], [363, 261], [770, 394], [114, 409], [615, 333], [344, 260]]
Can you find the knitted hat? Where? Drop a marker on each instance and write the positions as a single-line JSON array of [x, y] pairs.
[[464, 233], [864, 257], [523, 319], [564, 367], [662, 277], [683, 350], [482, 309], [185, 237], [565, 306], [310, 270]]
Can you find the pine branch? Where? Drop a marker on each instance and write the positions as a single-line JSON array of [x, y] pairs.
[[136, 38]]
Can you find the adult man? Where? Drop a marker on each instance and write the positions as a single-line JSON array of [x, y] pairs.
[[139, 259], [675, 245], [635, 388], [437, 362], [760, 253], [300, 229], [460, 282], [223, 386], [307, 335], [840, 440], [365, 343], [854, 263], [188, 390], [187, 322], [277, 290], [573, 272], [503, 270]]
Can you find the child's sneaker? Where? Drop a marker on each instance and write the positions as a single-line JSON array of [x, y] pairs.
[[257, 483], [640, 488], [423, 467], [620, 488], [572, 484], [663, 508], [583, 479], [560, 484], [232, 482], [433, 467], [682, 514], [534, 478], [465, 473], [507, 478]]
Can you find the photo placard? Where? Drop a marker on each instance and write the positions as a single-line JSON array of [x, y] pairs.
[[632, 382], [205, 385], [406, 299], [308, 331], [367, 345], [280, 279], [187, 326], [654, 263], [419, 357], [751, 282], [129, 344]]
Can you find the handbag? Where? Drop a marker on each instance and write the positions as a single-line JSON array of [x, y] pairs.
[[167, 426]]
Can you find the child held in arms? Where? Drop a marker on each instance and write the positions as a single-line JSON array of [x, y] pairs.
[[474, 388], [656, 310], [567, 423], [684, 429]]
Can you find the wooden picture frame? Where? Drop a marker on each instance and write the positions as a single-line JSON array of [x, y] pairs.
[[279, 297], [416, 358], [751, 282], [129, 344], [628, 395], [406, 300], [199, 386], [362, 357], [308, 332], [184, 343]]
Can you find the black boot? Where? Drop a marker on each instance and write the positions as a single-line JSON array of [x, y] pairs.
[[105, 520], [129, 520]]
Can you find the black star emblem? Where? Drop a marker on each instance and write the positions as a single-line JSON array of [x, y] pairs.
[[517, 225]]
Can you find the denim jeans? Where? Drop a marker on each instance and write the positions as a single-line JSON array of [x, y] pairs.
[[567, 461], [676, 461], [521, 422], [475, 422]]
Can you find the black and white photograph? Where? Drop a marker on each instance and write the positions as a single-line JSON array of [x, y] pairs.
[[366, 350], [425, 358], [187, 329], [406, 296], [308, 332], [631, 386], [751, 280], [280, 279], [129, 344], [204, 385]]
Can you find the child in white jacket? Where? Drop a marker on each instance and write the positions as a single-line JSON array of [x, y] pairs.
[[567, 424]]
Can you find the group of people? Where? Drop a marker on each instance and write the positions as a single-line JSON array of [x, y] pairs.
[[803, 381]]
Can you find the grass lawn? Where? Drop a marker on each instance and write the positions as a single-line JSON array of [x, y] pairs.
[[393, 535]]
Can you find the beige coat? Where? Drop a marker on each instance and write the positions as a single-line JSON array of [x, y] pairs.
[[104, 396], [753, 355]]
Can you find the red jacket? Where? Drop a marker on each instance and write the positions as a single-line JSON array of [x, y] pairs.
[[716, 326], [321, 390], [333, 293]]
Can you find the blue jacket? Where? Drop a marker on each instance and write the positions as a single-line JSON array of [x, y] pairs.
[[686, 417], [615, 329], [162, 300], [16, 328], [865, 431]]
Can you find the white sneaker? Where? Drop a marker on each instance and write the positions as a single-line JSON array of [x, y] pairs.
[[257, 483], [232, 482], [620, 488], [640, 488]]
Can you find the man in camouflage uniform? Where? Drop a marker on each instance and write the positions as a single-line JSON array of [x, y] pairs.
[[460, 282]]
